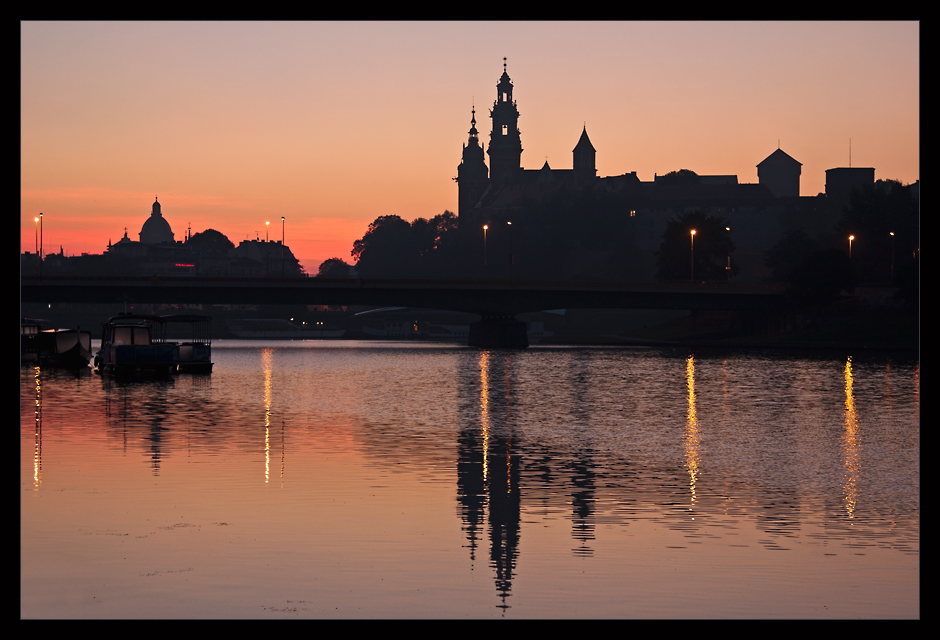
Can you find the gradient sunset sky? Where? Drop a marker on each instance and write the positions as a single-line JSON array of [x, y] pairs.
[[332, 124]]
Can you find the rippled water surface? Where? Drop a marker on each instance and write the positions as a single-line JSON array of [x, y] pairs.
[[344, 479]]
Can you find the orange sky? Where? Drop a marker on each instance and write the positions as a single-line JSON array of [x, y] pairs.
[[334, 124]]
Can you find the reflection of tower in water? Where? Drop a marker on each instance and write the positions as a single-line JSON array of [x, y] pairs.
[[488, 473], [583, 499], [582, 468]]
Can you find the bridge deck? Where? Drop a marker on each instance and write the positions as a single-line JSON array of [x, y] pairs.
[[486, 297]]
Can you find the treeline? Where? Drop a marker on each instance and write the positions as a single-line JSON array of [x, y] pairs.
[[578, 235]]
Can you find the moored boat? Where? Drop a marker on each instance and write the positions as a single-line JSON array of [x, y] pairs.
[[135, 347], [65, 348], [194, 355]]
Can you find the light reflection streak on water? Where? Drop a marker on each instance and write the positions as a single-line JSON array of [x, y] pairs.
[[693, 437], [37, 455], [850, 444], [636, 495], [485, 409], [266, 362]]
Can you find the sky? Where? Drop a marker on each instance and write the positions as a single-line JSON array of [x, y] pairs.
[[333, 124]]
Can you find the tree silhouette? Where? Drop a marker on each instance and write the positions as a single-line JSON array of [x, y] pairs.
[[210, 240], [712, 248], [823, 274], [393, 247], [333, 268], [785, 257], [682, 176], [873, 213]]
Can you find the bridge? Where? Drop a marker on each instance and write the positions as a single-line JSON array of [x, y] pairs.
[[497, 302]]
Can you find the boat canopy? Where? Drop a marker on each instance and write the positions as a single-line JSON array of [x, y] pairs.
[[130, 328], [201, 326]]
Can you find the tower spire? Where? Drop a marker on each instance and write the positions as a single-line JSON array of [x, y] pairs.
[[473, 123], [505, 148]]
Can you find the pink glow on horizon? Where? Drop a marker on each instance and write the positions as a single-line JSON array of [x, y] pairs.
[[334, 124]]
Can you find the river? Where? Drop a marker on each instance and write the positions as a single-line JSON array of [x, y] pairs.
[[323, 479]]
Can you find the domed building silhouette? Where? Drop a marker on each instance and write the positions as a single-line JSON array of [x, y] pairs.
[[156, 229]]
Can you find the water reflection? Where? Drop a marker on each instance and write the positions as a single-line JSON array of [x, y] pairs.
[[692, 435], [586, 442], [267, 355], [37, 453], [850, 444], [488, 471]]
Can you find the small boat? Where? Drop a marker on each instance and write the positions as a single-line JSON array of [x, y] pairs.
[[135, 347], [65, 348], [195, 354]]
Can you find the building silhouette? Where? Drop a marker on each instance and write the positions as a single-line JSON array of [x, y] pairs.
[[781, 174], [158, 253], [842, 180], [759, 213], [156, 229]]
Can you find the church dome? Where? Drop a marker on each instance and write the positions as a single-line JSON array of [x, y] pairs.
[[156, 229]]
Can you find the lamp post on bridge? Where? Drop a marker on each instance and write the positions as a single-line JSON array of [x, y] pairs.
[[282, 247], [485, 227], [692, 257], [892, 255], [850, 246], [510, 251], [267, 250], [728, 266]]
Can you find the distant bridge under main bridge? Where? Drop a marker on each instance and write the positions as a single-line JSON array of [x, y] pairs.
[[498, 302]]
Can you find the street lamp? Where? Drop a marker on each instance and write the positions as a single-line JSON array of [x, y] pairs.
[[485, 227], [37, 244], [850, 246], [282, 246], [510, 250], [692, 256], [267, 251], [728, 267], [40, 245], [892, 255]]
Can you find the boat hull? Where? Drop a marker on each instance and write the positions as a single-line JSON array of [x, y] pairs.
[[137, 362]]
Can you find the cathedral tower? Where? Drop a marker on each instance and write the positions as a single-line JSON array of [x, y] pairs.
[[471, 172], [505, 145]]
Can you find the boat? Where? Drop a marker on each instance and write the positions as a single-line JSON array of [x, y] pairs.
[[135, 347], [64, 348], [61, 348], [195, 354]]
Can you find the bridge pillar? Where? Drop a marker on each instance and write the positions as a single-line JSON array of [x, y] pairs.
[[498, 332]]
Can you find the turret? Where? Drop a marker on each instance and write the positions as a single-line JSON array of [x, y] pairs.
[[505, 148], [472, 174]]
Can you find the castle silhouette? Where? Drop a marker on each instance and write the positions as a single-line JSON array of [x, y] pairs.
[[758, 212]]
